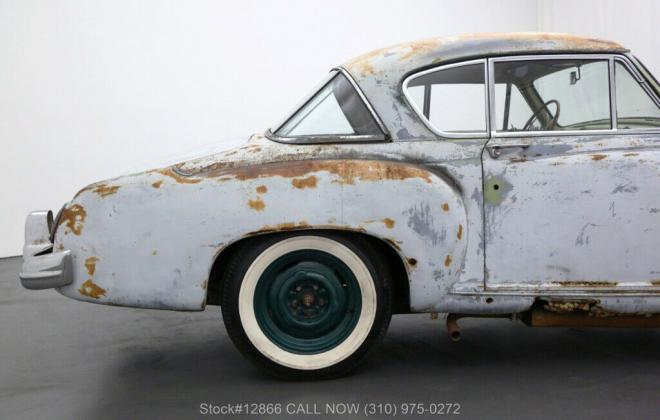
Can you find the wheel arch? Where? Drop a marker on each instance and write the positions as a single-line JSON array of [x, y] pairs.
[[395, 264]]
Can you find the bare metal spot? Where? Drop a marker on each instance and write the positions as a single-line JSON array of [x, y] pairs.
[[89, 288], [257, 204], [155, 252], [90, 265], [302, 183]]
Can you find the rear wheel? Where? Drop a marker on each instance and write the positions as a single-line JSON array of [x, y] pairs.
[[307, 306]]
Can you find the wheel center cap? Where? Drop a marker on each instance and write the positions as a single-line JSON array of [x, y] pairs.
[[308, 299]]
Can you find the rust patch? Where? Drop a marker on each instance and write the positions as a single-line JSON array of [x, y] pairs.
[[157, 184], [389, 223], [655, 282], [178, 178], [518, 159], [73, 217], [281, 227], [261, 189], [448, 261], [591, 307], [60, 247], [105, 190], [412, 262], [90, 289], [630, 154], [90, 265], [257, 204], [346, 171], [445, 207], [459, 234], [598, 157], [309, 182]]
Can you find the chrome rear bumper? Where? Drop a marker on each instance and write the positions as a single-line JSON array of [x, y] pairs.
[[42, 267]]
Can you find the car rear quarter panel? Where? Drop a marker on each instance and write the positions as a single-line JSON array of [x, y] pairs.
[[150, 239]]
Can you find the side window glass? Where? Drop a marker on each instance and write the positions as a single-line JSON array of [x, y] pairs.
[[515, 110], [452, 100], [336, 109], [559, 94], [634, 107]]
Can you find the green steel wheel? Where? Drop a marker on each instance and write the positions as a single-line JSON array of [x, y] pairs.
[[307, 306]]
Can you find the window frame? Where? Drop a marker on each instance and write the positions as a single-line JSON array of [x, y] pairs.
[[330, 138], [611, 58], [427, 123]]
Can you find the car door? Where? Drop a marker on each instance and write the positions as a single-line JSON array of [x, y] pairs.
[[572, 176]]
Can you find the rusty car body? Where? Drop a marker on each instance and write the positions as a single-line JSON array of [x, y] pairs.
[[554, 224]]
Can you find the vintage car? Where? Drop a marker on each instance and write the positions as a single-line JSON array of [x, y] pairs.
[[499, 175]]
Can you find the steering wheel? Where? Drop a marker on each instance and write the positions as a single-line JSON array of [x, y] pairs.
[[535, 115]]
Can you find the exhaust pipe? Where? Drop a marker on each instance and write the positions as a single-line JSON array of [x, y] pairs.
[[452, 327]]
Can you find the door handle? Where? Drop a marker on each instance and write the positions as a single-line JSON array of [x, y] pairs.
[[496, 150]]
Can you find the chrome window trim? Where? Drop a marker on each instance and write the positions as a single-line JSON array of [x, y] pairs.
[[614, 130], [331, 138], [427, 123]]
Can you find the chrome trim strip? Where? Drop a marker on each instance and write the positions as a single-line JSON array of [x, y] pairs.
[[427, 123], [326, 138]]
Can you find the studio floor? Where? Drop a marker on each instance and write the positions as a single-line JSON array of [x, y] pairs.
[[63, 359]]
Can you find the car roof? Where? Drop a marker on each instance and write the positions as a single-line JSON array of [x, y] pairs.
[[379, 73]]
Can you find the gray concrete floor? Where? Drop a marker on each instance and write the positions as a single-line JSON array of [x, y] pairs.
[[66, 359]]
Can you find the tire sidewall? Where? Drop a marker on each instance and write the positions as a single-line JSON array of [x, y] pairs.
[[240, 282]]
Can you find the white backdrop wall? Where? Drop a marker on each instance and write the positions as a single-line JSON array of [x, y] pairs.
[[90, 90], [633, 23]]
